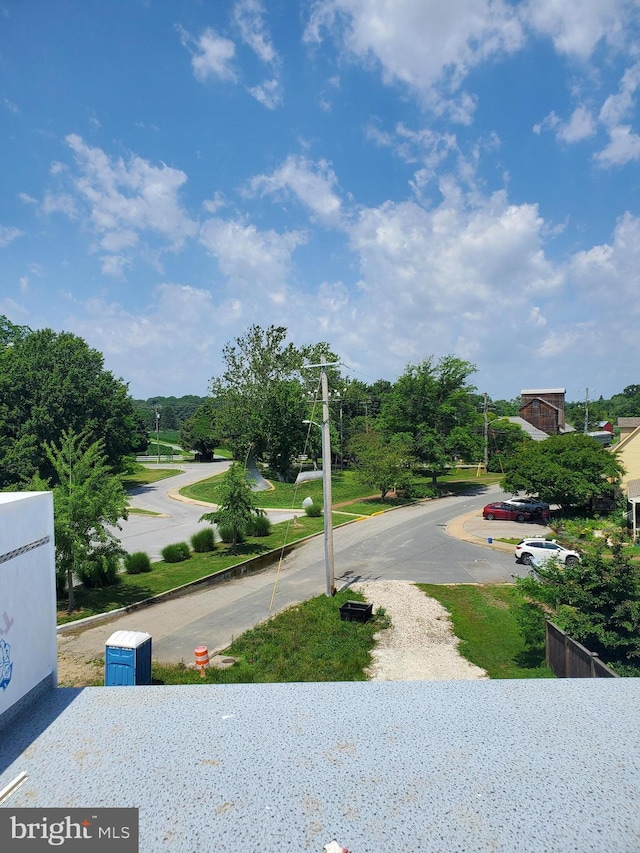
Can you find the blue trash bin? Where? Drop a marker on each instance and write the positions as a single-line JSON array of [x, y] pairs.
[[127, 659]]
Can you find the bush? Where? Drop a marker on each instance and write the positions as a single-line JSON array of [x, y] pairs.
[[137, 563], [227, 532], [204, 540], [100, 568], [313, 510], [176, 553], [259, 526]]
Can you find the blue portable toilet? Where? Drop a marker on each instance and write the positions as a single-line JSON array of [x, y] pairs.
[[127, 659]]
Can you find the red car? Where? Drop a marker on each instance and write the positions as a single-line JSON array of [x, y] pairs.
[[510, 512]]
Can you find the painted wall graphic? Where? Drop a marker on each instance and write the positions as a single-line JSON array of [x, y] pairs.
[[6, 667], [28, 643]]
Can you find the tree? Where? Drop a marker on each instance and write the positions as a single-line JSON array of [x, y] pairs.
[[237, 507], [261, 395], [436, 405], [596, 601], [570, 470], [10, 333], [199, 432], [503, 440], [50, 383], [87, 499], [383, 465]]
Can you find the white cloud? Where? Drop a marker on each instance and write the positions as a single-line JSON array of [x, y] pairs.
[[27, 199], [252, 259], [609, 274], [580, 126], [248, 16], [624, 143], [618, 107], [427, 46], [425, 146], [269, 93], [59, 203], [8, 233], [174, 342], [311, 183], [211, 55], [124, 200], [577, 27], [623, 147]]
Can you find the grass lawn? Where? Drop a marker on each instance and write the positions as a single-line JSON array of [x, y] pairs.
[[487, 630], [344, 489], [144, 476], [166, 576], [307, 642]]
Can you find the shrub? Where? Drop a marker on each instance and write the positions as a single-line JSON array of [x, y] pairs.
[[137, 562], [176, 553], [100, 568], [259, 526], [228, 534], [313, 510], [204, 540]]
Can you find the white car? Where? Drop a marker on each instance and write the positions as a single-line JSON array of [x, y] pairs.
[[537, 552]]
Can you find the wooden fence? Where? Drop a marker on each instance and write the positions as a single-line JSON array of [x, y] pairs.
[[569, 659]]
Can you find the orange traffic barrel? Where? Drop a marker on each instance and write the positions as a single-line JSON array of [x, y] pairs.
[[202, 658]]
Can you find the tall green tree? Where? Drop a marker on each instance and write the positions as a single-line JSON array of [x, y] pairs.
[[88, 502], [261, 396], [435, 403], [50, 383], [381, 464], [237, 507], [570, 470], [200, 431]]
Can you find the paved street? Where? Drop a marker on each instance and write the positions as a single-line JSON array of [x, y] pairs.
[[178, 519], [405, 544]]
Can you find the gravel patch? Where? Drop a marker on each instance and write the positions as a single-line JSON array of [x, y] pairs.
[[420, 645]]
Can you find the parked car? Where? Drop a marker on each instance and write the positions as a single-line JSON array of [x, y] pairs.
[[537, 552], [532, 505], [505, 511]]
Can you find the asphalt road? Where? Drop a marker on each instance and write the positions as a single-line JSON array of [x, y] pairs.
[[178, 520], [405, 544]]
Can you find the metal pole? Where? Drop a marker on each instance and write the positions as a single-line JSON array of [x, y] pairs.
[[158, 433], [486, 437], [326, 481]]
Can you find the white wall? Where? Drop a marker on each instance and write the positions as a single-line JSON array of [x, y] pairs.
[[28, 643]]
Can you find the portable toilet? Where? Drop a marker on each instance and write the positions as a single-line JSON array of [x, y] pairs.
[[127, 659]]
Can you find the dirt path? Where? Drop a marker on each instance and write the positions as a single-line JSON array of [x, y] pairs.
[[420, 645]]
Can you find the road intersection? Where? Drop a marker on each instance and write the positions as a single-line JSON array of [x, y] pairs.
[[411, 543]]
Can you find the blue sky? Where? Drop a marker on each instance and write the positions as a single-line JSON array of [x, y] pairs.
[[400, 178]]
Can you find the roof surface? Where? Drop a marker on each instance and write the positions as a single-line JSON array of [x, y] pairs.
[[501, 766]]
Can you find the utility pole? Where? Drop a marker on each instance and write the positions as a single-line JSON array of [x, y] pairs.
[[326, 477], [586, 413], [486, 435], [157, 410]]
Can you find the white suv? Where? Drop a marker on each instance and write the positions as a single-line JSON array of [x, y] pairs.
[[536, 552]]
